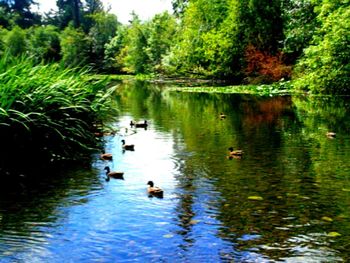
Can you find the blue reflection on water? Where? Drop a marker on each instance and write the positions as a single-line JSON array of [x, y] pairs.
[[117, 221]]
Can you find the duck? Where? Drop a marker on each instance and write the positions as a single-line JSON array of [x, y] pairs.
[[154, 190], [331, 134], [113, 174], [129, 147], [106, 156], [141, 124], [222, 116], [235, 152]]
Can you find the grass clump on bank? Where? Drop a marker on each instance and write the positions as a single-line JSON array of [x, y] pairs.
[[48, 112]]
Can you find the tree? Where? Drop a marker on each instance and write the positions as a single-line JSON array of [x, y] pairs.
[[135, 57], [103, 30], [69, 10], [261, 24], [179, 7], [74, 46], [325, 68], [16, 41], [299, 25], [90, 8], [44, 43], [114, 56], [20, 12], [161, 35]]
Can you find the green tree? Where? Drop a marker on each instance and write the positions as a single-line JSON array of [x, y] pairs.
[[69, 11], [74, 46], [261, 23], [161, 34], [134, 55], [16, 41], [44, 43], [114, 56], [179, 6], [103, 30], [300, 23], [90, 8], [20, 12], [325, 68], [208, 43]]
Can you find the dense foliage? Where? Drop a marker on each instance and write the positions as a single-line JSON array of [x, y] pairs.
[[47, 111], [249, 42]]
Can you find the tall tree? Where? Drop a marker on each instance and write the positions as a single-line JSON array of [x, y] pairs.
[[69, 10], [21, 12], [162, 31], [325, 67], [103, 30], [91, 8]]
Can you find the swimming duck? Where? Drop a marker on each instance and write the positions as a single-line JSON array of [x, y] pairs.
[[154, 190], [106, 156], [222, 116], [129, 147], [114, 174], [141, 124], [235, 152]]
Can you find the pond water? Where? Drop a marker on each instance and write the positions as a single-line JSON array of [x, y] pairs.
[[286, 200]]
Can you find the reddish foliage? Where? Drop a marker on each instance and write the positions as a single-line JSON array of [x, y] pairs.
[[262, 64]]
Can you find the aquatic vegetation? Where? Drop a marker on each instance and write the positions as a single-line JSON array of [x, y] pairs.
[[278, 88], [49, 111]]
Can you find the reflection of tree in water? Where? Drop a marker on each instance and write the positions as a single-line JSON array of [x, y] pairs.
[[278, 166], [184, 209], [35, 199], [285, 162]]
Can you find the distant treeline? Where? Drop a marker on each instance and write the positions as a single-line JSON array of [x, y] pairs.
[[242, 41]]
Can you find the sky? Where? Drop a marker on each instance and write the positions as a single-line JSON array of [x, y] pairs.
[[145, 9]]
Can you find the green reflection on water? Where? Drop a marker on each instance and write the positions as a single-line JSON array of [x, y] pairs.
[[287, 198], [300, 176]]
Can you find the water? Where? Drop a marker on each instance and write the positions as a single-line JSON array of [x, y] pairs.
[[286, 200]]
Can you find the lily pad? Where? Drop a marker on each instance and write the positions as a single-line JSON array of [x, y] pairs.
[[333, 234], [255, 197], [326, 218]]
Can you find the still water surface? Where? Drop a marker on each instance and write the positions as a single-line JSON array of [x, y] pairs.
[[286, 200]]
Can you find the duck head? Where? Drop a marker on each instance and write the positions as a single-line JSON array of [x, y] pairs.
[[107, 169], [150, 183]]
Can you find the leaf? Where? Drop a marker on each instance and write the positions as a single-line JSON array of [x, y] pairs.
[[326, 218], [255, 197], [333, 234]]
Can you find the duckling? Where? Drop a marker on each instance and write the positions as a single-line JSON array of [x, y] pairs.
[[235, 152], [222, 116], [129, 147], [154, 190], [141, 125], [114, 174], [106, 156], [331, 135]]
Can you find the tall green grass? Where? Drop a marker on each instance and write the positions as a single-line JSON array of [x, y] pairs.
[[49, 110]]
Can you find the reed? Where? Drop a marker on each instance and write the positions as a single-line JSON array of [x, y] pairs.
[[50, 110]]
